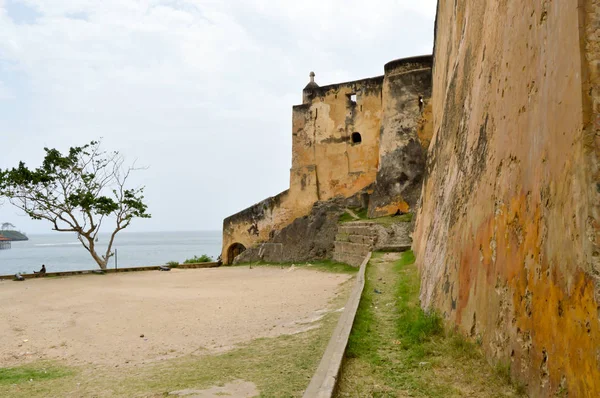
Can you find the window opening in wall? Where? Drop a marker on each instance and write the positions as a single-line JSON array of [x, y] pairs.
[[352, 98], [421, 103], [356, 138]]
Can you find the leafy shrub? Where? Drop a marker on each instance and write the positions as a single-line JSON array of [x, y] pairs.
[[202, 259], [173, 264]]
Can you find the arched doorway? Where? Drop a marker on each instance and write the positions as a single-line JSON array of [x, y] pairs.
[[234, 250]]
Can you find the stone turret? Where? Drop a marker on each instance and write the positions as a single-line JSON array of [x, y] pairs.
[[310, 91]]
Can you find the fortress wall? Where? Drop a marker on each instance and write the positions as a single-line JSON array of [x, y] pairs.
[[406, 102], [508, 217], [589, 40], [322, 136], [258, 223], [327, 163]]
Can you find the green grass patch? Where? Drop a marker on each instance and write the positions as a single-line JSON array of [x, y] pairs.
[[359, 212], [363, 340], [28, 374], [320, 265], [346, 217], [199, 259], [385, 221], [413, 324], [397, 349]]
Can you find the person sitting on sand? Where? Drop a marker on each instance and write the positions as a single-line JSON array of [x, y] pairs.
[[42, 271]]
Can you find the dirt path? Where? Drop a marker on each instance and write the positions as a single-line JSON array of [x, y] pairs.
[[397, 350], [128, 319]]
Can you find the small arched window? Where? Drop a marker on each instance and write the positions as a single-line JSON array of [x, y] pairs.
[[356, 138]]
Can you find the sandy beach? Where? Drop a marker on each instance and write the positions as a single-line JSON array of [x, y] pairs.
[[140, 317]]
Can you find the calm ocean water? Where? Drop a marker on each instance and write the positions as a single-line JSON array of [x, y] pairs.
[[62, 251]]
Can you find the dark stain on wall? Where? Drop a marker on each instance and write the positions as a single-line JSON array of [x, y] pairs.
[[400, 176]]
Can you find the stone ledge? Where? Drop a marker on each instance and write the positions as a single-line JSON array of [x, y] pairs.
[[351, 259], [352, 248], [395, 248], [110, 271], [324, 381]]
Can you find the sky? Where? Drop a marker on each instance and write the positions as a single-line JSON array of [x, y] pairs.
[[198, 91]]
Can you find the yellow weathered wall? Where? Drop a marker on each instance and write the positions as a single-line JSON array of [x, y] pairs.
[[325, 162], [254, 225], [503, 234], [322, 132]]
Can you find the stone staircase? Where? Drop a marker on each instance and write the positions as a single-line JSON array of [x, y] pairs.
[[353, 241]]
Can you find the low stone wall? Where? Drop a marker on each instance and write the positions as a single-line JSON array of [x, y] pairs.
[[307, 238], [110, 271], [324, 381]]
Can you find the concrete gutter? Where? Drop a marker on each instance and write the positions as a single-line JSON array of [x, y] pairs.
[[110, 271], [324, 381]]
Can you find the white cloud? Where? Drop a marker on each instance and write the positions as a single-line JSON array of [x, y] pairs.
[[199, 90], [5, 93]]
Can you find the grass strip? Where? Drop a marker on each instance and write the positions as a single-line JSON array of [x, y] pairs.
[[396, 349]]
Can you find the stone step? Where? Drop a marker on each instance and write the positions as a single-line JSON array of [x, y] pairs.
[[368, 240], [360, 223], [395, 248], [352, 248], [350, 259], [351, 229]]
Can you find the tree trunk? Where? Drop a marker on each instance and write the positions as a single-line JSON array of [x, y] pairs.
[[92, 249]]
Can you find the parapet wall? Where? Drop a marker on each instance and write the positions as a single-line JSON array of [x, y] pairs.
[[506, 238]]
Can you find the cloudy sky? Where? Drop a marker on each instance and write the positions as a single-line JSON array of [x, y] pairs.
[[200, 91]]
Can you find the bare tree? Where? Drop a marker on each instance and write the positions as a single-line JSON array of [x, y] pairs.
[[77, 192]]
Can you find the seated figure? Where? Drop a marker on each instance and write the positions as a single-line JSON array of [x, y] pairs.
[[42, 271]]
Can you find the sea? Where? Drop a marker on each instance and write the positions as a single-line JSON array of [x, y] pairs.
[[61, 251]]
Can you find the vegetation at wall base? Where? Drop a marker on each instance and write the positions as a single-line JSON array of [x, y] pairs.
[[319, 265], [386, 221], [202, 259], [397, 349]]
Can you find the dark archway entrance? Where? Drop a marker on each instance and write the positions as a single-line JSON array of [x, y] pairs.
[[234, 250]]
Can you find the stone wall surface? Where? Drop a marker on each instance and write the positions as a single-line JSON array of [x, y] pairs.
[[406, 95], [322, 136], [506, 234], [306, 238]]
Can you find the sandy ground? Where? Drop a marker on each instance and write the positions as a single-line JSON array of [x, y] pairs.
[[99, 319]]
